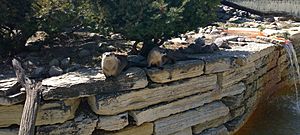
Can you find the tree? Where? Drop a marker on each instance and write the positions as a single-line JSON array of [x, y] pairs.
[[66, 16], [153, 22], [17, 24]]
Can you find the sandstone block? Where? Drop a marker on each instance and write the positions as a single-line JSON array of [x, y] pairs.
[[9, 131], [233, 101], [13, 99], [282, 59], [234, 76], [10, 91], [272, 76], [218, 65], [253, 51], [87, 82], [111, 123], [237, 112], [149, 96], [145, 129], [48, 113], [83, 124], [221, 130], [190, 118], [164, 110], [177, 71], [187, 131], [269, 60], [199, 128], [8, 86]]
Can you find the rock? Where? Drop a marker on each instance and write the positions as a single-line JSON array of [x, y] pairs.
[[199, 128], [83, 124], [215, 65], [187, 131], [241, 39], [110, 48], [134, 100], [234, 76], [221, 130], [48, 113], [137, 59], [9, 85], [234, 113], [73, 68], [177, 71], [84, 53], [207, 31], [220, 42], [54, 62], [282, 18], [234, 101], [9, 131], [38, 72], [178, 41], [201, 30], [145, 129], [55, 71], [256, 17], [111, 123], [89, 81], [269, 19], [116, 36], [254, 52], [190, 118], [215, 31], [12, 99], [65, 62], [235, 20], [224, 33], [199, 41], [164, 110]]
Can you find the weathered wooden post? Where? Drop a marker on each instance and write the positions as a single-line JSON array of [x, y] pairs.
[[33, 97]]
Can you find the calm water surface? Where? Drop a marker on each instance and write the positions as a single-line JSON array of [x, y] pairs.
[[278, 116]]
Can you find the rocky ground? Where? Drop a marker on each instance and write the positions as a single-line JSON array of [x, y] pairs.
[[85, 49]]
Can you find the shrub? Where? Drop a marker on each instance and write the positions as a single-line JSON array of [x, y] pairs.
[[20, 19], [17, 24], [152, 22], [59, 16]]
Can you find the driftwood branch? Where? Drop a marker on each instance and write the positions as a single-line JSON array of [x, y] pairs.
[[33, 97]]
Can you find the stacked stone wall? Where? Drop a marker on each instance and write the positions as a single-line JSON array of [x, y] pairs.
[[213, 95]]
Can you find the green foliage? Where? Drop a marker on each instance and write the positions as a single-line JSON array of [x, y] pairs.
[[141, 20], [145, 20], [57, 16], [16, 24]]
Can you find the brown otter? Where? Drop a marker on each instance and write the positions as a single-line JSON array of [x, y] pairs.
[[160, 56], [113, 64]]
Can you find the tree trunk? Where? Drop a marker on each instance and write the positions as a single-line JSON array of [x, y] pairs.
[[134, 50], [147, 47], [33, 97], [27, 125]]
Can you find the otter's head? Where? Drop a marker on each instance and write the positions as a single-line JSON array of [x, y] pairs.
[[108, 55]]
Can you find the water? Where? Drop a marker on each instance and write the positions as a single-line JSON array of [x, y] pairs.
[[281, 114], [290, 6], [295, 69]]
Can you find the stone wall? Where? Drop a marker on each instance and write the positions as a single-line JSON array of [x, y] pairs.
[[213, 95]]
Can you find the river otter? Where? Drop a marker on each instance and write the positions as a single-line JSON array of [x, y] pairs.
[[160, 56], [113, 64]]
